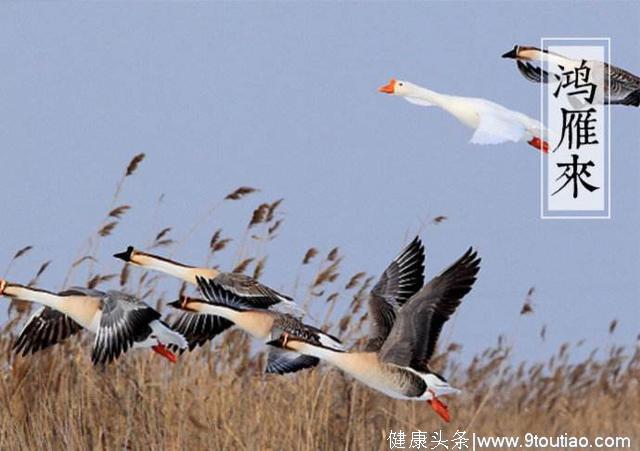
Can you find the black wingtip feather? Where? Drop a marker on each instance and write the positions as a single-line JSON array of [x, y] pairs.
[[285, 366], [199, 329], [216, 294], [46, 328], [410, 264], [632, 99], [134, 328]]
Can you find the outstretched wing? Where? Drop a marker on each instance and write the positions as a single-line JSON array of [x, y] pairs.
[[45, 328], [251, 292], [295, 327], [535, 73], [199, 329], [495, 129], [401, 280], [624, 88], [124, 321], [412, 340], [280, 361]]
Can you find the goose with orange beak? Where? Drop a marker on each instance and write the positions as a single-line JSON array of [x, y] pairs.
[[493, 123], [407, 320], [119, 321]]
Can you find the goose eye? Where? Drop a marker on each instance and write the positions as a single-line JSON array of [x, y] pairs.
[[400, 84]]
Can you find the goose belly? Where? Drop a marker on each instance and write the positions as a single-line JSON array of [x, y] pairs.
[[389, 387], [391, 380]]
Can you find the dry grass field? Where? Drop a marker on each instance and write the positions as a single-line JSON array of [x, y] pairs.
[[218, 397]]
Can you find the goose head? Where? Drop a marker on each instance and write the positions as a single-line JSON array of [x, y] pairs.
[[136, 257], [188, 304], [398, 88], [127, 256], [524, 53]]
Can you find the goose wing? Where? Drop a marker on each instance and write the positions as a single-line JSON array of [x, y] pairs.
[[535, 73], [251, 292], [48, 326], [81, 291], [624, 88], [45, 328], [412, 340], [125, 320], [280, 361], [401, 280], [310, 334], [495, 127], [199, 329]]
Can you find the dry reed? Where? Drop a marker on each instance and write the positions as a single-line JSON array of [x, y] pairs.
[[217, 397]]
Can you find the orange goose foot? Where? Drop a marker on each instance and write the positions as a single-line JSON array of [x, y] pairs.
[[439, 407], [164, 352]]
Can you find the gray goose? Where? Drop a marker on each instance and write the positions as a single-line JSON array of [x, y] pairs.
[[202, 320], [624, 88], [401, 279], [396, 361], [264, 324], [119, 321]]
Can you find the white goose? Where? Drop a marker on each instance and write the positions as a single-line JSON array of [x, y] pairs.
[[202, 320], [119, 321], [493, 123], [396, 361], [623, 89]]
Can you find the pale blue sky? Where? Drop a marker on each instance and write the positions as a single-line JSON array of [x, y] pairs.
[[283, 97]]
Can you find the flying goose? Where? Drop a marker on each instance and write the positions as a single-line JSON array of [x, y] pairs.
[[402, 278], [120, 322], [264, 324], [624, 88], [240, 284], [203, 320], [404, 336], [493, 123]]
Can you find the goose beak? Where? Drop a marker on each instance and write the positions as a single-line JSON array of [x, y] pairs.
[[280, 342], [3, 285], [186, 304], [440, 408], [389, 88], [513, 53], [164, 352], [126, 255]]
